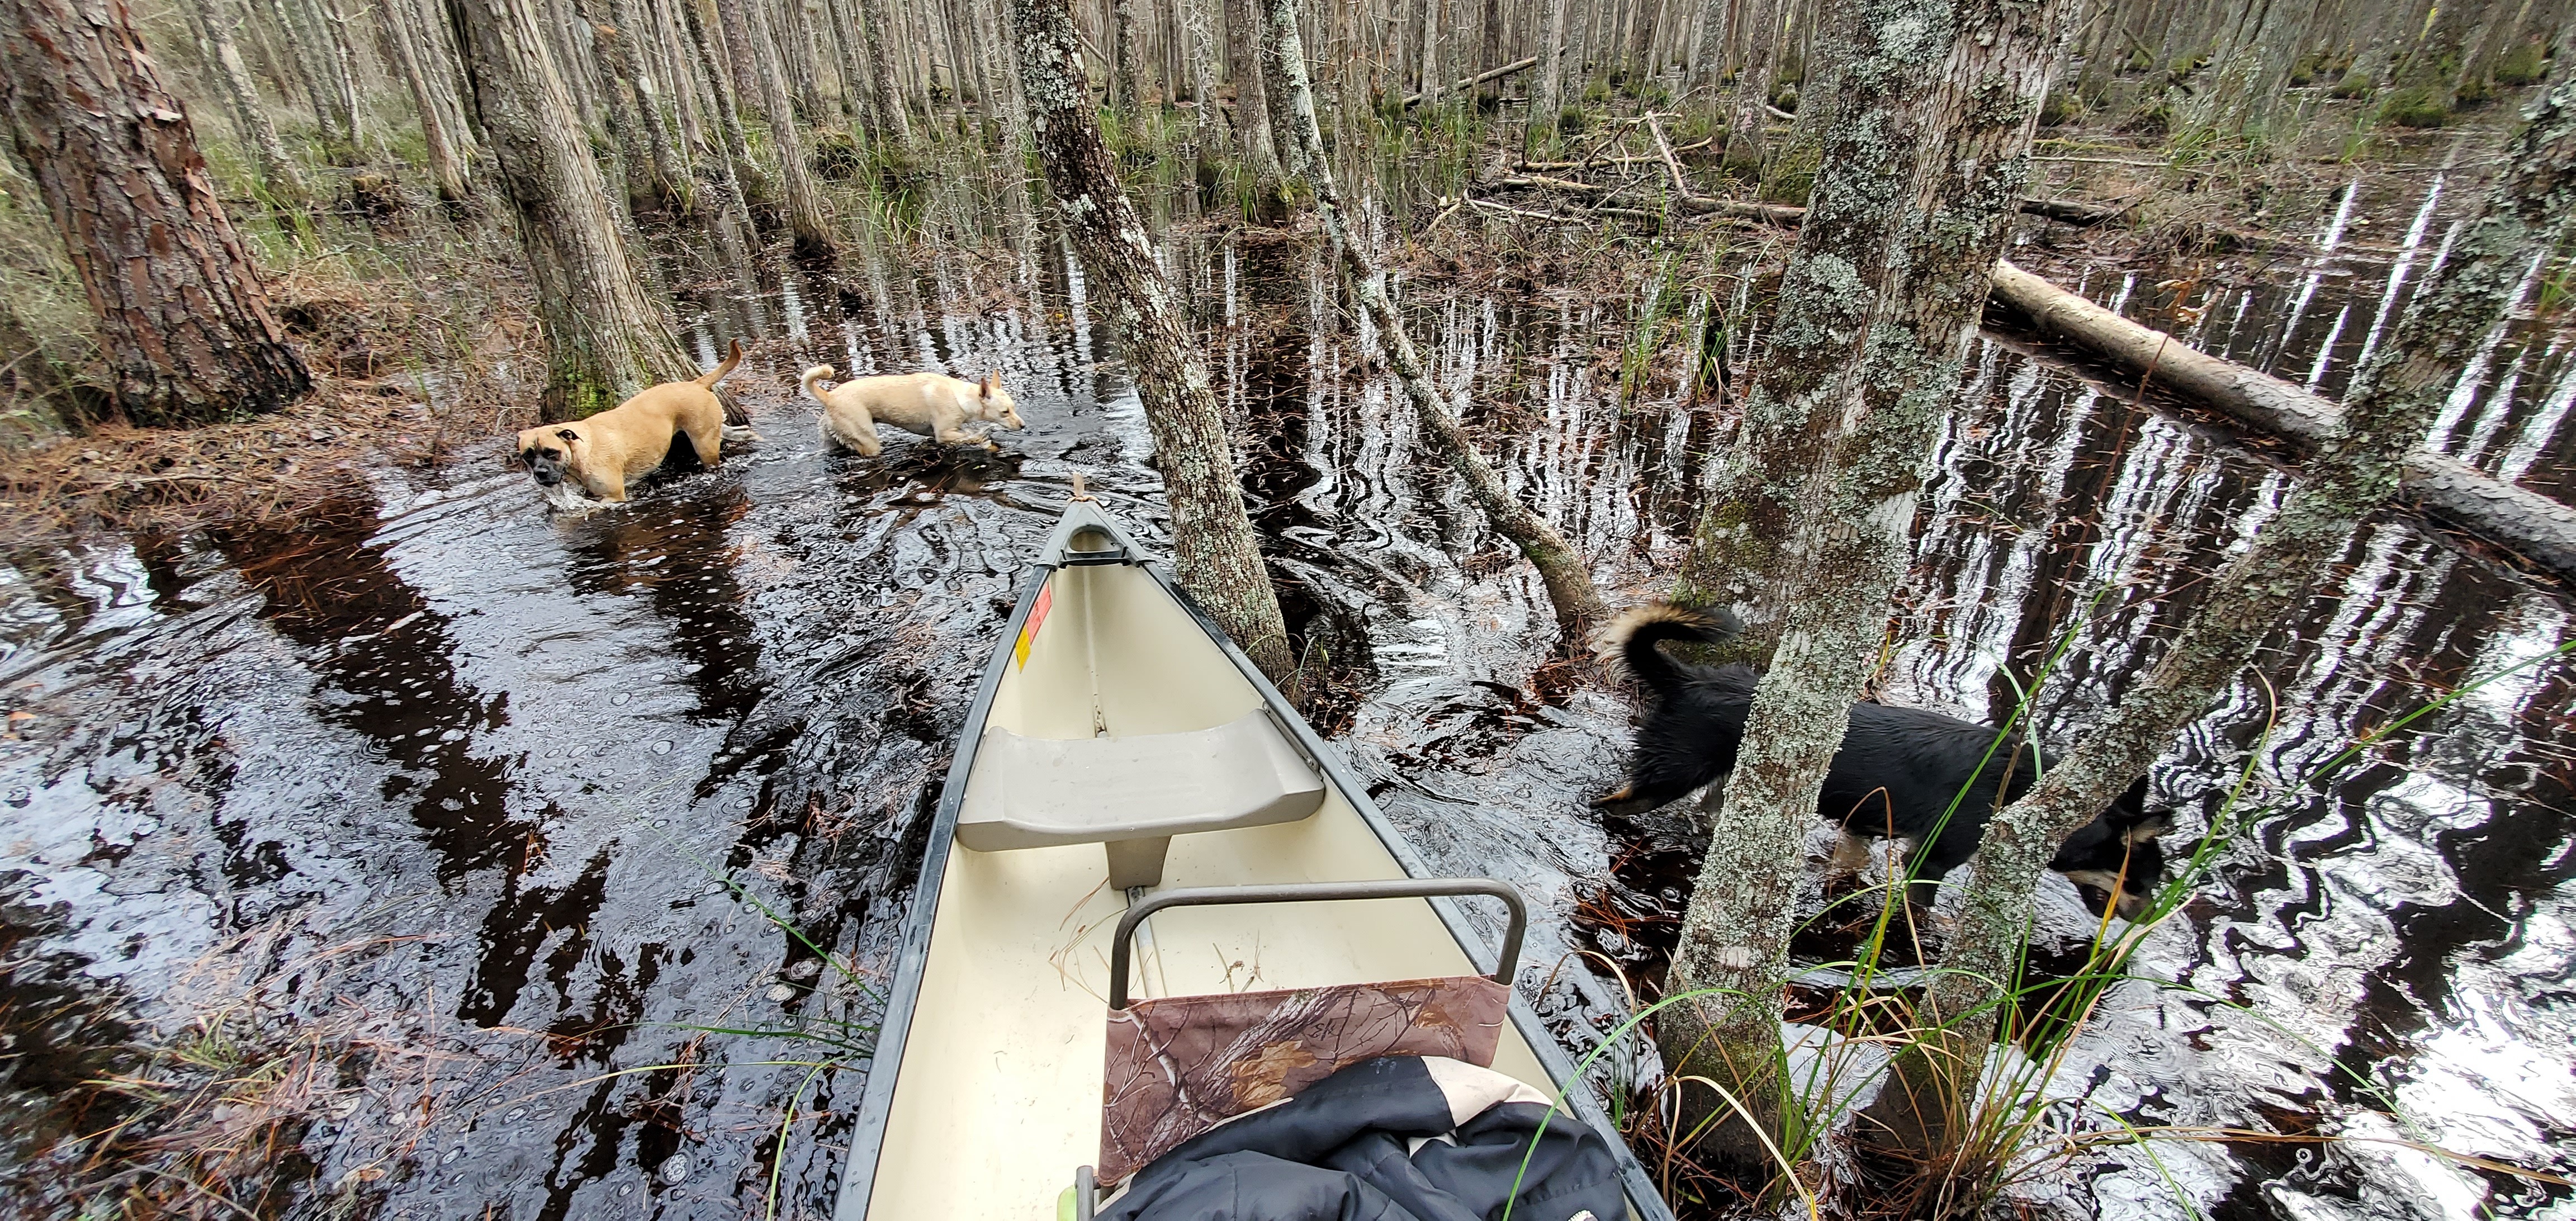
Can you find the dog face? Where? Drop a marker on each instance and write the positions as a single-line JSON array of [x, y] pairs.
[[2117, 859], [547, 452], [994, 405]]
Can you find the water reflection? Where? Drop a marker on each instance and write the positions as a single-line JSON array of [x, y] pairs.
[[536, 744]]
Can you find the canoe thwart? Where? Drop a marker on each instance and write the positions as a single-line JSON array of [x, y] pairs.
[[1134, 792], [1120, 952]]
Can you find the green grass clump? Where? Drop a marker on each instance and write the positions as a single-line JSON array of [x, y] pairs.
[[2059, 109], [836, 155], [2525, 64], [2420, 106], [2355, 86]]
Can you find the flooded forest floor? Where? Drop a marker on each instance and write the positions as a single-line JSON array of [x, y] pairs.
[[381, 845]]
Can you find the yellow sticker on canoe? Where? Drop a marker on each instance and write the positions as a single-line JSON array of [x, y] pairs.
[[1037, 617]]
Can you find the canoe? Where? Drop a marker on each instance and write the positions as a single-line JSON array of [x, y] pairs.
[[1118, 735]]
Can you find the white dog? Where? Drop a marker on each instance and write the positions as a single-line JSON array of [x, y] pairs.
[[931, 404]]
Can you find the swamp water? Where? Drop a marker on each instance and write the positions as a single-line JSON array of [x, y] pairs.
[[448, 793]]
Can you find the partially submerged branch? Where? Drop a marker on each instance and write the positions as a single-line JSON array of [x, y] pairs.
[[1568, 581]]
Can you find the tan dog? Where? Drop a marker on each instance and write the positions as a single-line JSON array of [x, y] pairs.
[[600, 454], [933, 405]]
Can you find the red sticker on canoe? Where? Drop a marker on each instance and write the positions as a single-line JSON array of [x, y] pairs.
[[1037, 618]]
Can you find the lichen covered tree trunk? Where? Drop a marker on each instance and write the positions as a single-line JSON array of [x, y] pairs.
[[183, 317], [606, 336], [1219, 560], [1560, 568], [1826, 296], [1919, 185], [2393, 400]]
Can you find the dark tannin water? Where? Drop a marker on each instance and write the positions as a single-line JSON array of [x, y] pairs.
[[450, 789]]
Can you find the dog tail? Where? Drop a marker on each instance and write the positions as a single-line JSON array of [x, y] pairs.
[[709, 378], [1634, 635], [813, 375]]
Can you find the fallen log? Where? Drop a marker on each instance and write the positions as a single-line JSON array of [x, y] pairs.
[[1522, 65], [2066, 210], [2537, 527], [1777, 214]]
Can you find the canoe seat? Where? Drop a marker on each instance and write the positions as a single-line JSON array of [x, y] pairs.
[[1133, 793]]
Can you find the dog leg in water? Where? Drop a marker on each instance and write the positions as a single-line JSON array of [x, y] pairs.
[[741, 432]]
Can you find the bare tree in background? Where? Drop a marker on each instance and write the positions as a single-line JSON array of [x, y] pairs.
[[214, 22], [423, 60], [183, 317], [2392, 402], [809, 217], [1219, 560], [606, 335], [1560, 568]]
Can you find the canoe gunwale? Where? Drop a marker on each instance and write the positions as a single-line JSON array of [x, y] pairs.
[[876, 1101], [867, 1135]]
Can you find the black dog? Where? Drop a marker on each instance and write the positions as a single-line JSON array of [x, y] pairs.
[[1898, 772]]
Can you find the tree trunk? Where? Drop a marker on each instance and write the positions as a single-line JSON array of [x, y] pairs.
[[1550, 103], [313, 59], [2393, 401], [1219, 560], [183, 318], [1925, 157], [1742, 537], [1708, 55], [428, 80], [1745, 113], [1126, 73], [214, 22], [1252, 126], [1490, 55], [606, 336], [808, 216], [621, 43], [1568, 581], [752, 184], [886, 87]]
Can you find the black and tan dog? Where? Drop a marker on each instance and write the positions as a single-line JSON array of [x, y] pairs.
[[1897, 775], [598, 455]]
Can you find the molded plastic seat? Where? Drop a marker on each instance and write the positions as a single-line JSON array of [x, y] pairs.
[[1133, 793]]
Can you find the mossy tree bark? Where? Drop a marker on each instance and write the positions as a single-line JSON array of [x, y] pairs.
[[1928, 153], [183, 317], [606, 336], [1219, 560], [1560, 568], [2393, 401]]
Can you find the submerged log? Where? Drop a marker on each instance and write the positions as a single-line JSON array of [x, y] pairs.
[[2539, 528]]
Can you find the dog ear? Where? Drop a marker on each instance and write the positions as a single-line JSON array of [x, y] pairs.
[[992, 382], [2147, 830], [567, 434]]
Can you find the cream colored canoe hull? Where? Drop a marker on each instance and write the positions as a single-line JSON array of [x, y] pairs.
[[986, 1092]]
